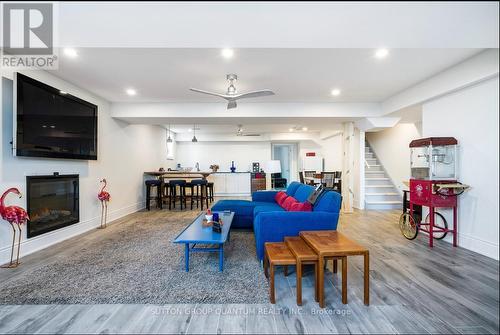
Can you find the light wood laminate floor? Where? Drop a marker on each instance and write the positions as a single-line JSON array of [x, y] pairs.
[[413, 290]]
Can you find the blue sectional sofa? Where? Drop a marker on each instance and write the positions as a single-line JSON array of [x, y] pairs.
[[271, 223]]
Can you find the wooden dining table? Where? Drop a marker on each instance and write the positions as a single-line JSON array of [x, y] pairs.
[[312, 180], [177, 174]]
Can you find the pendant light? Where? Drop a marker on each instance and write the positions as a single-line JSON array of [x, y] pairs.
[[194, 140], [169, 139]]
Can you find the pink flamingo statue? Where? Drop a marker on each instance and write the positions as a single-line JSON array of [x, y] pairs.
[[13, 215], [104, 197]]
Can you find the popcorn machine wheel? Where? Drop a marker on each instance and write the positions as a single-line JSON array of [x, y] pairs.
[[433, 184]]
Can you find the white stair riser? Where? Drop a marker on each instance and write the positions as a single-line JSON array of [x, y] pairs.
[[369, 182], [382, 206], [375, 174], [374, 168], [379, 189], [369, 155], [383, 197]]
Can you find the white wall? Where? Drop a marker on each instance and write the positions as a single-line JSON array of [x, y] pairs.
[[124, 152], [471, 115], [330, 149], [391, 147], [222, 153]]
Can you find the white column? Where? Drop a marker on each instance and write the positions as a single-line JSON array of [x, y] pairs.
[[348, 164]]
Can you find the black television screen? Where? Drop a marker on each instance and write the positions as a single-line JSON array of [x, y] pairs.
[[52, 123]]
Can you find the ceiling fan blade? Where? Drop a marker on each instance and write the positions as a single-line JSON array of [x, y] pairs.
[[254, 94], [224, 96], [231, 104]]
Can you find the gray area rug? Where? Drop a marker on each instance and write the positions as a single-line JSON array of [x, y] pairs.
[[136, 262]]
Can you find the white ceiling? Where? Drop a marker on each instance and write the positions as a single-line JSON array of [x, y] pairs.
[[296, 75], [279, 24]]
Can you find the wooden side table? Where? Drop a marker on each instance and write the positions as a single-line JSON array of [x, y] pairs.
[[303, 255], [330, 243], [276, 253]]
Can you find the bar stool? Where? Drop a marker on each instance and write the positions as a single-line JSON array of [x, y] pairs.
[[175, 185], [200, 194], [166, 194], [158, 196], [210, 187]]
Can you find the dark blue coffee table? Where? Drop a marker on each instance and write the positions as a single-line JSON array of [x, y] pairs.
[[195, 234]]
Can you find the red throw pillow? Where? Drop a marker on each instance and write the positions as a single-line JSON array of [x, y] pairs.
[[280, 197], [301, 207], [287, 204]]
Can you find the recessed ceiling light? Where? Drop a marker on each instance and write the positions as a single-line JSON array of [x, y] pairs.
[[304, 128], [291, 129], [335, 92], [381, 53], [131, 91], [70, 52], [227, 53], [63, 92]]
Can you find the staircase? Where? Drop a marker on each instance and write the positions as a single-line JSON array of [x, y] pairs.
[[380, 193]]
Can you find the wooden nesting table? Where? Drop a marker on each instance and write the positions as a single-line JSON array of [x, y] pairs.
[[329, 244], [303, 255], [276, 253]]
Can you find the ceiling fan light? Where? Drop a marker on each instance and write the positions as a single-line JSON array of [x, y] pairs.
[[169, 139], [194, 140]]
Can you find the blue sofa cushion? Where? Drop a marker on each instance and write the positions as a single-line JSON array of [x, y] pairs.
[[240, 207], [328, 202], [267, 208], [303, 192], [266, 196], [292, 188]]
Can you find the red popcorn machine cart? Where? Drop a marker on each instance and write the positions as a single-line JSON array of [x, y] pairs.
[[433, 184]]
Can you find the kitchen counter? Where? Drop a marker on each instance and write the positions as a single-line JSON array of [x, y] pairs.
[[231, 172], [231, 184]]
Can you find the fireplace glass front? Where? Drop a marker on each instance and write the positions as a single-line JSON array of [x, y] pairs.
[[52, 203]]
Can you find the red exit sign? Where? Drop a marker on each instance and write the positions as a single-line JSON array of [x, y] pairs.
[[310, 154]]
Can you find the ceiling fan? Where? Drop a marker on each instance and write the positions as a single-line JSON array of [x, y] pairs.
[[232, 94], [240, 132]]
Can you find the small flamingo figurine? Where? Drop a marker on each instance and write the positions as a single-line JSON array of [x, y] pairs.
[[104, 197], [13, 215]]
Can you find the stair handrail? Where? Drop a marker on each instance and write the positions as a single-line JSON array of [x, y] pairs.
[[366, 163]]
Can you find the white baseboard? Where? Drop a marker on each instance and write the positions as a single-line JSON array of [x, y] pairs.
[[29, 246], [477, 245]]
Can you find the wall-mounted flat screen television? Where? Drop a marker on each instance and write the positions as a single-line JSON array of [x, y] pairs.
[[52, 123]]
